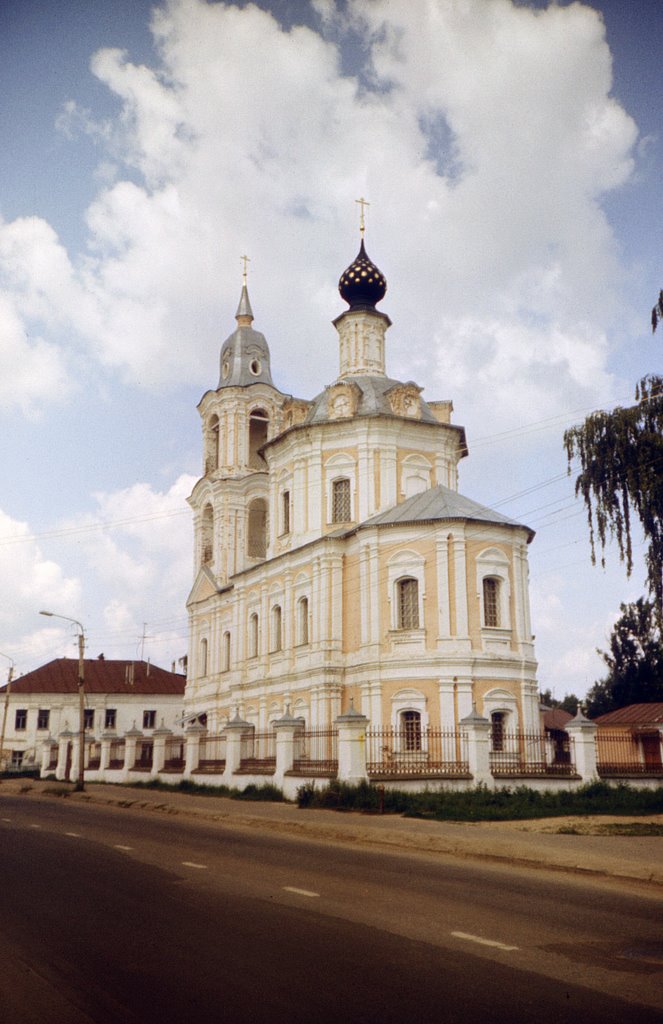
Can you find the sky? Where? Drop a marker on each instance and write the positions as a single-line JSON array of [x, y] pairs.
[[512, 157]]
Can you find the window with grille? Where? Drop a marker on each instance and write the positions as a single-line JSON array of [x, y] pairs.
[[276, 628], [411, 727], [341, 501], [497, 730], [302, 624], [491, 602], [408, 603]]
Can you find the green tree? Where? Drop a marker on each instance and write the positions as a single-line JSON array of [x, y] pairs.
[[621, 478], [657, 312], [569, 701], [634, 660]]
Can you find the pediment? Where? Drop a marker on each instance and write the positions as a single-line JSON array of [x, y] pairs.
[[203, 588]]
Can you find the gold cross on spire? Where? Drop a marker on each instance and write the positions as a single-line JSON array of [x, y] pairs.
[[245, 260], [362, 203]]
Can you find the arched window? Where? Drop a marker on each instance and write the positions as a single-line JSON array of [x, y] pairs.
[[257, 535], [226, 652], [341, 501], [203, 656], [207, 537], [258, 425], [253, 635], [407, 593], [276, 638], [497, 723], [411, 729], [491, 601], [302, 620]]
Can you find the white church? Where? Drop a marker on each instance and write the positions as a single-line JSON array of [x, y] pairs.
[[337, 565]]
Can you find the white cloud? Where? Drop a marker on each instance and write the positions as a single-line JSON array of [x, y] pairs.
[[247, 137]]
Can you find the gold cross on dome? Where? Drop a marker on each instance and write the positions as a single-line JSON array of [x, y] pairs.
[[245, 260], [362, 203]]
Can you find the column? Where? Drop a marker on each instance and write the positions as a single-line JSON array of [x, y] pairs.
[[477, 730], [352, 747], [583, 734]]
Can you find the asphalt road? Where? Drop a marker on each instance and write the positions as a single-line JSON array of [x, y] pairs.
[[117, 916]]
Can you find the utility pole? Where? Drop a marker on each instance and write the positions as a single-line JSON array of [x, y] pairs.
[[80, 781], [6, 708]]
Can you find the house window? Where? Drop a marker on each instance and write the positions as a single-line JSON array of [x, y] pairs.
[[226, 652], [21, 720], [302, 620], [257, 539], [491, 601], [110, 718], [285, 512], [17, 758], [497, 722], [89, 718], [277, 641], [253, 635], [43, 718], [149, 719], [341, 501], [407, 590], [411, 728]]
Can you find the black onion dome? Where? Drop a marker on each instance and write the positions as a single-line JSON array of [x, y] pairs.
[[362, 285]]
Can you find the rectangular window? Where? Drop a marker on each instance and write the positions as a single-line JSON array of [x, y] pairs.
[[21, 720], [43, 718], [285, 512], [491, 606], [110, 718], [149, 719], [17, 758], [408, 604], [341, 501], [89, 718]]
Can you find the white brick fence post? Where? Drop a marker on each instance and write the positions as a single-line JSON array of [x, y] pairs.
[[477, 729], [583, 734], [352, 746]]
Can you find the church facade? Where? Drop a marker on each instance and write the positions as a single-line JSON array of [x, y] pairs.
[[336, 562]]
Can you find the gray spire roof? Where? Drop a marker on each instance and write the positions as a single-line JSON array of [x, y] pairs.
[[245, 354], [440, 503]]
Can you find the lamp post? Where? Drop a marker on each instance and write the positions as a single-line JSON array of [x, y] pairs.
[[7, 692], [80, 781]]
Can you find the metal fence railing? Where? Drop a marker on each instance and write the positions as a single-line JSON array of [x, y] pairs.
[[116, 754], [174, 754], [211, 754], [401, 753], [531, 754], [628, 753], [316, 752], [144, 756], [258, 753]]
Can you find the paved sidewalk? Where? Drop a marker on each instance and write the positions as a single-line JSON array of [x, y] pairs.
[[638, 858]]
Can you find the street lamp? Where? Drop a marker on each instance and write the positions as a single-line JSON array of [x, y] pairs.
[[80, 781], [7, 692]]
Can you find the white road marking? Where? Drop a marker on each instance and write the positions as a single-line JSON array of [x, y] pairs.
[[300, 892], [118, 846], [76, 835], [483, 942], [191, 864], [6, 819], [35, 826]]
